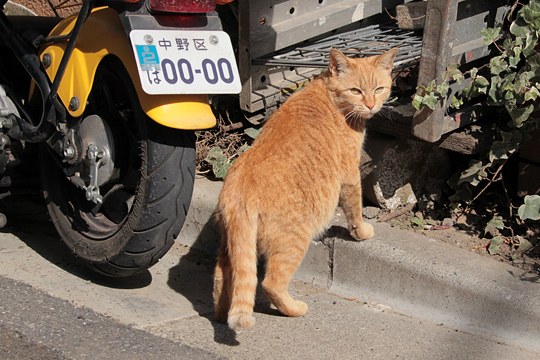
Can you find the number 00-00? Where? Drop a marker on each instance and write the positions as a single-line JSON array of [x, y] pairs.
[[212, 71]]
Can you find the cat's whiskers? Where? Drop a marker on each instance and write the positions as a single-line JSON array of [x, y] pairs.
[[351, 115], [385, 112], [354, 118]]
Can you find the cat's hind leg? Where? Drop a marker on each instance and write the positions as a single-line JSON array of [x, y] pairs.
[[281, 264], [222, 274]]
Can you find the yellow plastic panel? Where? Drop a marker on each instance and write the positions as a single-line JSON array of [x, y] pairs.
[[103, 35]]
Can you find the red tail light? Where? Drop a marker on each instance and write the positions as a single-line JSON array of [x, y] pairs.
[[183, 6]]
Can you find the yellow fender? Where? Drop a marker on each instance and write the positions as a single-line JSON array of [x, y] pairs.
[[101, 35]]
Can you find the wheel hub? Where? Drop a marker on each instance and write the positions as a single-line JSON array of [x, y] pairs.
[[98, 148]]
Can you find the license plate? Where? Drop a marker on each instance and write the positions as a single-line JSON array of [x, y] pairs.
[[185, 62]]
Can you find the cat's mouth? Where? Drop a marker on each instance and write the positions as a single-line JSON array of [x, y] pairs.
[[360, 113], [367, 114]]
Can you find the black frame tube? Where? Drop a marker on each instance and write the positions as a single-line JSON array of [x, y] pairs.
[[53, 110]]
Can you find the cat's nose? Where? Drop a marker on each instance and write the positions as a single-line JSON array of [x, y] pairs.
[[370, 106]]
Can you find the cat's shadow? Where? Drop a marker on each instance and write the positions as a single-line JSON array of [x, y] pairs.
[[340, 232], [193, 278]]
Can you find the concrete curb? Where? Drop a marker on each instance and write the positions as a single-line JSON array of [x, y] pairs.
[[411, 273], [428, 279], [199, 231]]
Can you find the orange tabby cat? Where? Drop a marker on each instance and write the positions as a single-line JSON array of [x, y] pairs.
[[283, 192]]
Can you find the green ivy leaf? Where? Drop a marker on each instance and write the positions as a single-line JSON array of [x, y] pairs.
[[514, 60], [220, 171], [463, 194], [252, 132], [530, 43], [219, 161], [489, 35], [431, 86], [494, 225], [473, 173], [417, 101], [494, 89], [530, 208], [509, 95], [497, 65], [531, 14], [416, 221], [431, 101], [520, 114], [494, 247], [533, 60], [520, 86], [481, 81], [442, 89], [497, 152], [519, 28], [511, 139], [480, 85], [214, 154], [532, 94], [523, 246], [456, 102], [454, 73], [242, 148], [526, 76]]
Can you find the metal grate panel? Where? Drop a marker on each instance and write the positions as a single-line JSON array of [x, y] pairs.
[[371, 40]]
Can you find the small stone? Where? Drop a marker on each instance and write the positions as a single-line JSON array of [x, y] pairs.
[[448, 222], [371, 212]]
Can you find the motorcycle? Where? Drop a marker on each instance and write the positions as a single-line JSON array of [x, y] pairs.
[[108, 100]]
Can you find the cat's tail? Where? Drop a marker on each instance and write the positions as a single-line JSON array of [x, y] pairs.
[[240, 227]]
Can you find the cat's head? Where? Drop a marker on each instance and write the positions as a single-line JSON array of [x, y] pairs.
[[360, 86]]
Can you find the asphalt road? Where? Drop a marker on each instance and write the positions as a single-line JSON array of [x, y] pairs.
[[35, 325]]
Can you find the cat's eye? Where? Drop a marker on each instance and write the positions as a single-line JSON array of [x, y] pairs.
[[379, 90], [356, 91]]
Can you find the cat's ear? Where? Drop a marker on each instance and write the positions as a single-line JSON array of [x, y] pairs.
[[338, 62], [386, 61]]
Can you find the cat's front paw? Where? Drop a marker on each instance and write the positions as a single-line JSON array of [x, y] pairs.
[[363, 231]]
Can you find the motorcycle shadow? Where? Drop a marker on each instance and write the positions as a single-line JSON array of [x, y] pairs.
[[28, 220], [199, 263]]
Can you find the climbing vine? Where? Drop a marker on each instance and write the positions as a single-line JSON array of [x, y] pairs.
[[510, 82]]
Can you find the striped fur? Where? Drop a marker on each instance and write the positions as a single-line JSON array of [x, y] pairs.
[[283, 191]]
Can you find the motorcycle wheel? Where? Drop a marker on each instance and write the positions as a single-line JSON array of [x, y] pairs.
[[147, 193]]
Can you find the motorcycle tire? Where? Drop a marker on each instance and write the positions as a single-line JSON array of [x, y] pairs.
[[146, 199]]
